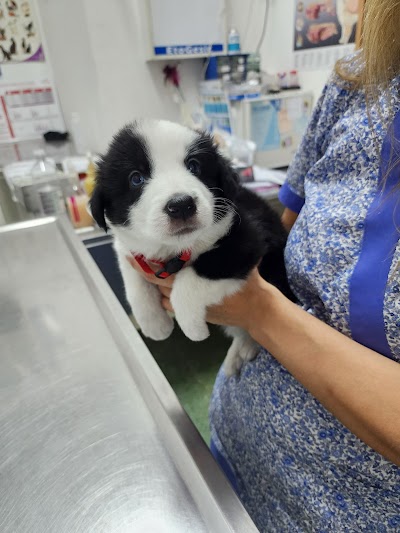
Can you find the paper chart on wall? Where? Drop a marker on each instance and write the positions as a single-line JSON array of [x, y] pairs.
[[324, 31], [28, 111], [4, 127], [20, 39]]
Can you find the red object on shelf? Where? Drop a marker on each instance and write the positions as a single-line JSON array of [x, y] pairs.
[[171, 75]]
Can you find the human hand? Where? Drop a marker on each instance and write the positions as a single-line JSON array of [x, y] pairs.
[[236, 310], [161, 282], [313, 10], [321, 32]]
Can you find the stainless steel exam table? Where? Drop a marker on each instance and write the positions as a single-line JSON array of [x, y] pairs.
[[92, 437]]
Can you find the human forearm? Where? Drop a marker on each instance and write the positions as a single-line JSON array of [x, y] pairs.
[[359, 386]]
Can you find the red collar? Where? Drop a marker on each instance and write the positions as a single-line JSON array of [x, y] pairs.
[[169, 267]]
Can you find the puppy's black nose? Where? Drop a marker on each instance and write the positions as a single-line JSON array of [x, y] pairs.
[[181, 207]]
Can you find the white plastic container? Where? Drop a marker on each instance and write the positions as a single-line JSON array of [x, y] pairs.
[[28, 178], [50, 200]]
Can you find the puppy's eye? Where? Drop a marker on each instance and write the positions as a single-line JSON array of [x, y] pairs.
[[136, 178], [193, 167]]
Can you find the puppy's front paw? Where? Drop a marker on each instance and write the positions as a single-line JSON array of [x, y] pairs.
[[157, 329], [195, 331], [190, 297]]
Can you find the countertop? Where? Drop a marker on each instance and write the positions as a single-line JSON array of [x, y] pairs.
[[10, 211], [93, 439], [22, 150]]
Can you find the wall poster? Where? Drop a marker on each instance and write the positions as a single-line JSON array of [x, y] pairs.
[[19, 32], [324, 31], [28, 111]]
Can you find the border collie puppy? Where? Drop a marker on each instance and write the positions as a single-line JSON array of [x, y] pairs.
[[172, 199]]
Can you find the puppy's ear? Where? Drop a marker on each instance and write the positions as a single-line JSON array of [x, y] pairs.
[[97, 206], [229, 179]]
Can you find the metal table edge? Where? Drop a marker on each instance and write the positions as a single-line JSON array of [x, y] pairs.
[[217, 502]]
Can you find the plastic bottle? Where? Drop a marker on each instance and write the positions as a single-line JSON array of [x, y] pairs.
[[294, 80], [77, 208], [50, 200], [254, 67], [233, 42], [42, 167]]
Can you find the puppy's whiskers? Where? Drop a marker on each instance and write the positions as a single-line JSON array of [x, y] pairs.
[[225, 205]]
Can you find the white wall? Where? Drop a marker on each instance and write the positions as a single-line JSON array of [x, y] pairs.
[[65, 34], [97, 49]]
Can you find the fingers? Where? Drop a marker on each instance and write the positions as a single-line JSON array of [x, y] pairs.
[[166, 303], [164, 285], [165, 300], [166, 291], [167, 282]]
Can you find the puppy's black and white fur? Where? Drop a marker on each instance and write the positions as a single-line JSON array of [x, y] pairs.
[[163, 189]]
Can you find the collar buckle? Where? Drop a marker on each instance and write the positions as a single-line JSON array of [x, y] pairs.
[[168, 268]]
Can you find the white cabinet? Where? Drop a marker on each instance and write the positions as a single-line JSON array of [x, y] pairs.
[[186, 28]]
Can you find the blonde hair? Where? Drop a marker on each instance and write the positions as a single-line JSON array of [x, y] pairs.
[[379, 58], [376, 64]]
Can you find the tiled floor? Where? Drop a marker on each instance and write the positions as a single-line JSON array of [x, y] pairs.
[[191, 367]]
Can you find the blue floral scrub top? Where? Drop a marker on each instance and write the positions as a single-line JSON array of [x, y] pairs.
[[296, 467]]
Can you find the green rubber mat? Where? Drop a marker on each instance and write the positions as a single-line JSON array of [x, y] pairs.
[[191, 368]]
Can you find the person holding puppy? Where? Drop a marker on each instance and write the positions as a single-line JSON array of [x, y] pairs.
[[309, 431]]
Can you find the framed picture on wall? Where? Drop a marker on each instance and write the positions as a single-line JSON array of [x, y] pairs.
[[20, 38], [325, 31]]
